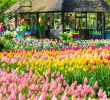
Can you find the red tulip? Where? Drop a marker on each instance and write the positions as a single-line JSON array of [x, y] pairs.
[[86, 62], [94, 63]]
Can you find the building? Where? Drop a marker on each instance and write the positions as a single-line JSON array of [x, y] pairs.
[[89, 18]]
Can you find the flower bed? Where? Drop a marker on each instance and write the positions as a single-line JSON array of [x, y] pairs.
[[28, 86], [73, 63]]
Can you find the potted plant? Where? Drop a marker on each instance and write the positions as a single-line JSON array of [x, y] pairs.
[[23, 26]]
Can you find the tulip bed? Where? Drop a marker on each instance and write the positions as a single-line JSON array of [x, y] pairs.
[[79, 70], [28, 86]]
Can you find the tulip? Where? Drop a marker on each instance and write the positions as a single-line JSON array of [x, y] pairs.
[[36, 98], [86, 62], [29, 94], [79, 88], [74, 84], [100, 94], [54, 98], [52, 75], [21, 97], [64, 83], [13, 96], [82, 93], [64, 97], [76, 93], [58, 74], [0, 96], [95, 85], [42, 96], [85, 81], [28, 69], [94, 63]]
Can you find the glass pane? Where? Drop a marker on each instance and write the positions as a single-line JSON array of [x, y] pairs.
[[107, 21], [57, 20], [77, 23], [49, 20], [33, 21], [11, 22], [23, 22], [99, 21], [80, 20], [83, 23], [91, 20], [69, 20]]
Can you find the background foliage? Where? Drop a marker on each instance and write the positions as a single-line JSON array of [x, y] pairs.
[[4, 5]]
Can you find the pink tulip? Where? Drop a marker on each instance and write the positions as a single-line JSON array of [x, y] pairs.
[[36, 88], [64, 97], [13, 96], [32, 86], [95, 85], [45, 88], [89, 98], [29, 94], [79, 98], [0, 96], [30, 74], [79, 88], [58, 90], [64, 83], [7, 82], [10, 98], [28, 69], [58, 80], [54, 97], [101, 57], [21, 97], [61, 77], [63, 89], [42, 96], [85, 81], [76, 93], [20, 88], [67, 88], [104, 96], [47, 74], [53, 75], [82, 93], [36, 98], [58, 74], [74, 84], [15, 90], [30, 81], [4, 91], [87, 89], [100, 93], [92, 92]]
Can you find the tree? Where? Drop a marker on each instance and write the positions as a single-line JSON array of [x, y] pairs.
[[4, 5]]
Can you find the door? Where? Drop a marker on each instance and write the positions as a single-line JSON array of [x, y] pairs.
[[81, 25]]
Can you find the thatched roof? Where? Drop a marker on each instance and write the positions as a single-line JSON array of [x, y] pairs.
[[66, 5], [17, 6], [13, 8], [86, 5]]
